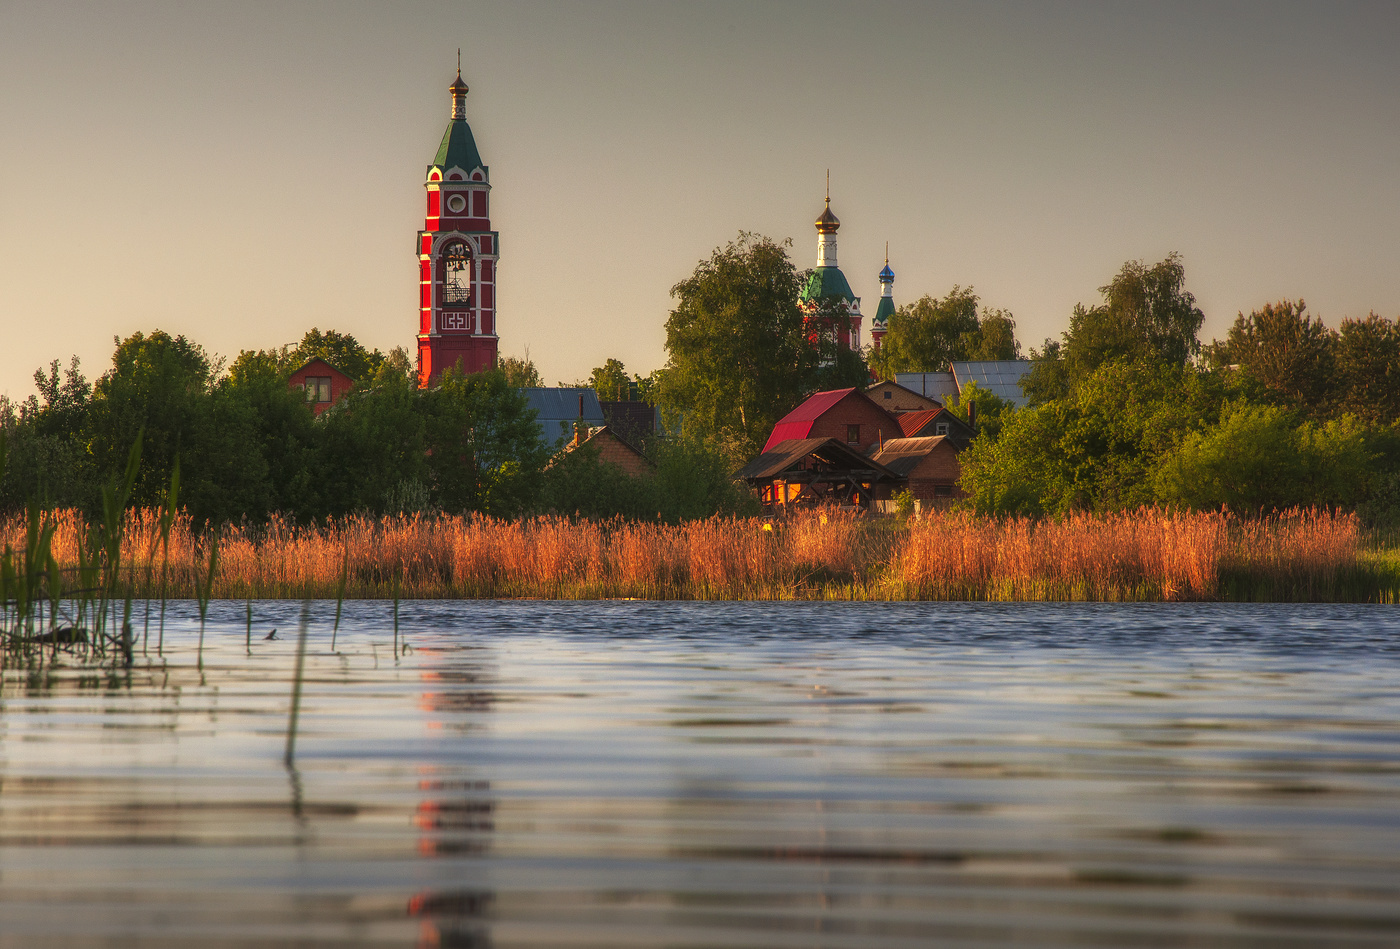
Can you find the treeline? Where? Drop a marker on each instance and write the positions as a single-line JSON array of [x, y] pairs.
[[1128, 408], [249, 447]]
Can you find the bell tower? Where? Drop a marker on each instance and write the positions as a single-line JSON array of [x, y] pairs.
[[457, 254]]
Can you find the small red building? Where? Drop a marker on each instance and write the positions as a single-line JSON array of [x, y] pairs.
[[323, 384], [613, 450], [936, 422], [846, 415]]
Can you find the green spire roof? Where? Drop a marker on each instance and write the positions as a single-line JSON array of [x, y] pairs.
[[827, 282], [458, 148], [883, 312]]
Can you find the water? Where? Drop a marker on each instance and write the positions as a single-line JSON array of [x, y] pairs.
[[693, 775]]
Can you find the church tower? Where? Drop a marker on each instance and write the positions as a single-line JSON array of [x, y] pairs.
[[457, 254], [827, 302], [880, 322]]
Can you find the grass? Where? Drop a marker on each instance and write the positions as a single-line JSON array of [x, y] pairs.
[[1148, 555]]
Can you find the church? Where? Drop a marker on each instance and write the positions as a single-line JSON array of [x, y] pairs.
[[457, 254], [829, 306]]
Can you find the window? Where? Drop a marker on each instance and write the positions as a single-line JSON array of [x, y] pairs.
[[318, 388], [852, 434], [943, 490], [941, 428], [457, 274], [889, 394]]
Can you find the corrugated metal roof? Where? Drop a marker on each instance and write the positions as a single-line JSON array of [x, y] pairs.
[[1002, 377], [902, 455], [556, 411], [798, 422], [911, 422]]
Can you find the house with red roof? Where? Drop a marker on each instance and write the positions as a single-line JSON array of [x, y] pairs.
[[933, 423], [846, 415]]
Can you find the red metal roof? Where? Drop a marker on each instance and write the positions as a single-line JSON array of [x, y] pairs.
[[798, 422], [911, 423]]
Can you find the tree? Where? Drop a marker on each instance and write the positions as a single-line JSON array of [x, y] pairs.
[[1368, 369], [1096, 448], [1259, 458], [926, 335], [1283, 355], [738, 357], [520, 372], [155, 383], [610, 381], [341, 350], [1146, 314]]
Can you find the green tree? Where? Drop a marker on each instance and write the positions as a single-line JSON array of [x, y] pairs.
[[1368, 369], [46, 452], [341, 350], [520, 372], [1094, 449], [926, 335], [1283, 356], [1261, 458], [992, 409], [1146, 314], [738, 356], [610, 381], [156, 382]]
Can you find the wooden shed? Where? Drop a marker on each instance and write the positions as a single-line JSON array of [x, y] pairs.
[[810, 472]]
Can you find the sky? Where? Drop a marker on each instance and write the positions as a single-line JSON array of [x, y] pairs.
[[242, 172]]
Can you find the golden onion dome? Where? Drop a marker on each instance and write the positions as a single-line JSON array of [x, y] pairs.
[[828, 223]]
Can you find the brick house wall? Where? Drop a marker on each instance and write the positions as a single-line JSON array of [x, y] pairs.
[[939, 468], [875, 424]]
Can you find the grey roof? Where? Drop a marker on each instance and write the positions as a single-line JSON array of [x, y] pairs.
[[1002, 377], [556, 411], [939, 386]]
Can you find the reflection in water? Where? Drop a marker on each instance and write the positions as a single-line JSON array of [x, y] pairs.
[[767, 775]]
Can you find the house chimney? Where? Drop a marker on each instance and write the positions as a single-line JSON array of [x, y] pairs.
[[578, 426], [972, 414]]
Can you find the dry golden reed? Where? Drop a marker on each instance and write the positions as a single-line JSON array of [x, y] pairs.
[[1142, 555]]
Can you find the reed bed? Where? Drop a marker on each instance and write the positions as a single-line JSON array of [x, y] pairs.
[[1148, 555]]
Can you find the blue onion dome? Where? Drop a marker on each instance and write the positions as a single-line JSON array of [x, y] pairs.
[[887, 275]]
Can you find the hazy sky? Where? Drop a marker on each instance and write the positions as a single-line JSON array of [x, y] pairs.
[[241, 172]]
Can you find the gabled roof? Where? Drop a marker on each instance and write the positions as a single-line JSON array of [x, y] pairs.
[[785, 455], [902, 455], [314, 360], [1001, 377], [798, 422], [458, 149], [911, 423], [556, 410]]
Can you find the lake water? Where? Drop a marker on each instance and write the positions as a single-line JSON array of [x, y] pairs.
[[716, 774]]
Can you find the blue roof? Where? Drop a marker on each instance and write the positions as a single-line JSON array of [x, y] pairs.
[[556, 411], [1001, 377]]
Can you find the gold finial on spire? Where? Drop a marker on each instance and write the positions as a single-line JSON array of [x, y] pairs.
[[887, 253], [828, 187], [459, 91], [828, 222]]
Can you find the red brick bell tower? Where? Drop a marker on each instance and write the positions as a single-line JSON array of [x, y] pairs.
[[457, 253]]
